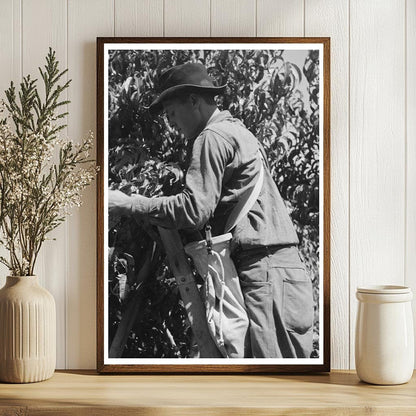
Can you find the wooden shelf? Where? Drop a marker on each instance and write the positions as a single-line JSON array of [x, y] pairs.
[[87, 393]]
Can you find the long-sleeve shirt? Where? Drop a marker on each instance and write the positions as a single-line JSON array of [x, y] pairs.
[[224, 165]]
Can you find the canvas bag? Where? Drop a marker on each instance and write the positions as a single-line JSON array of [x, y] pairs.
[[221, 292]]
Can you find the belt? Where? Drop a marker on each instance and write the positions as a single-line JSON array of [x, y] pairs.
[[261, 250]]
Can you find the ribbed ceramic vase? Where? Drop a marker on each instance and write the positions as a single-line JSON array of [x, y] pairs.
[[27, 331]]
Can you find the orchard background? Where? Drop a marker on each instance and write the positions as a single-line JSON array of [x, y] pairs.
[[277, 97]]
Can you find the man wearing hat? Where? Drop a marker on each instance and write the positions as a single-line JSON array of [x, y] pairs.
[[226, 165]]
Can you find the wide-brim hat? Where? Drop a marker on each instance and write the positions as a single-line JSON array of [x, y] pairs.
[[191, 76]]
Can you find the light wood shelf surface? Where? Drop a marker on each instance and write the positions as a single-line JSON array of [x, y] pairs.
[[86, 393]]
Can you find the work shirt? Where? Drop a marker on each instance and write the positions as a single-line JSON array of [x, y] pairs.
[[225, 165]]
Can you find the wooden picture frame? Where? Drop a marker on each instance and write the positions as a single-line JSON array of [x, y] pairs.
[[123, 80]]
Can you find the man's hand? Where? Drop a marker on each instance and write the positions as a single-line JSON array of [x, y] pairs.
[[119, 203]]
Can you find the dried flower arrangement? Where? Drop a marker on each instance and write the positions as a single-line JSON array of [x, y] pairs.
[[42, 175]]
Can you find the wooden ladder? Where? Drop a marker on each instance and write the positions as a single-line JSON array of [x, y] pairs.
[[188, 290]]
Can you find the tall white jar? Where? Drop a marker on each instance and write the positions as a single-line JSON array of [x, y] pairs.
[[384, 343]]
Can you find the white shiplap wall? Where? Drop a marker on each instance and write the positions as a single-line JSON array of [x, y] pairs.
[[373, 132]]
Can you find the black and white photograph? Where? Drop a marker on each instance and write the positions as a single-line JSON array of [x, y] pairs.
[[213, 239]]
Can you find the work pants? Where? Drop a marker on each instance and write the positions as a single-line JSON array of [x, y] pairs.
[[279, 301]]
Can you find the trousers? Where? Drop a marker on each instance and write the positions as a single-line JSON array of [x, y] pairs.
[[278, 297]]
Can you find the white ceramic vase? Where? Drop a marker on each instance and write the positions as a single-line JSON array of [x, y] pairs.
[[27, 331], [384, 343]]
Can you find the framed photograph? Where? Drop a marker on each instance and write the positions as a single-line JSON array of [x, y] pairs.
[[213, 205]]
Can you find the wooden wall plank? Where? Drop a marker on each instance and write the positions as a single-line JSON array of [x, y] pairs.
[[138, 18], [187, 18], [10, 44], [10, 68], [330, 18], [377, 135], [6, 45], [84, 25], [44, 26], [233, 18], [278, 18], [411, 151], [377, 172]]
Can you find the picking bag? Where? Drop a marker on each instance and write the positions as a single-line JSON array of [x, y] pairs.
[[221, 293]]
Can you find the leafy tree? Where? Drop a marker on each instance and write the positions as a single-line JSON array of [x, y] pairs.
[[148, 157]]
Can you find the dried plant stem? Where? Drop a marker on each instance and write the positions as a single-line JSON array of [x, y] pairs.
[[35, 193]]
